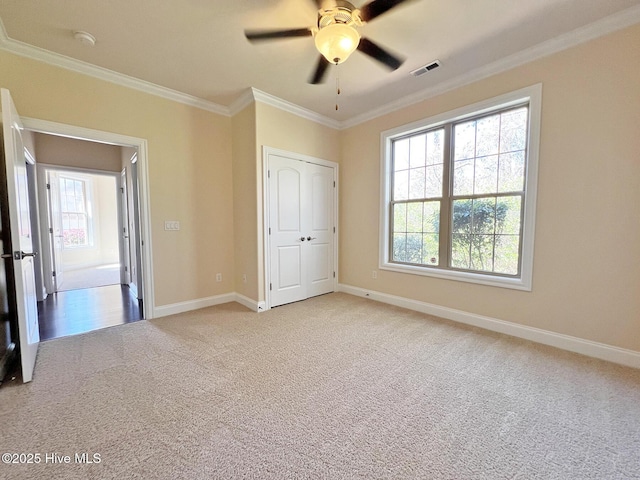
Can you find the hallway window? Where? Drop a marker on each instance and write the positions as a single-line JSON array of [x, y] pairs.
[[75, 212]]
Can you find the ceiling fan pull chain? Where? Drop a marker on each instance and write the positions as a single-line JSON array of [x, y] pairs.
[[337, 86]]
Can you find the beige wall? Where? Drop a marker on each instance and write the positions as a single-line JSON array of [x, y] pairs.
[[283, 130], [586, 280], [245, 203], [70, 152], [189, 167]]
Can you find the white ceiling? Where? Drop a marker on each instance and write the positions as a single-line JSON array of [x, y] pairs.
[[198, 47]]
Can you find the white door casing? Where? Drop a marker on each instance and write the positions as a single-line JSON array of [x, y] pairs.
[[20, 226], [144, 240], [300, 218]]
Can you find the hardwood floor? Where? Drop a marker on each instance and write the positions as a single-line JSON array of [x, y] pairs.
[[79, 311]]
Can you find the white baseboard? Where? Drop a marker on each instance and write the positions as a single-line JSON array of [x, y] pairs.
[[248, 302], [589, 348], [181, 307]]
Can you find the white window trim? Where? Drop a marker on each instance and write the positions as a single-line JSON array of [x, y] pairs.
[[532, 95]]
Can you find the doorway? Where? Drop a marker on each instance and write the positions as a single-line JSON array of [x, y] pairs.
[[82, 220], [127, 297]]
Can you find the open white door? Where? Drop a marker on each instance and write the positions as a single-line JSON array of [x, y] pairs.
[[20, 225], [125, 265], [55, 228]]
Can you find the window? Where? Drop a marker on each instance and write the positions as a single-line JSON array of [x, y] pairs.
[[459, 193], [74, 212]]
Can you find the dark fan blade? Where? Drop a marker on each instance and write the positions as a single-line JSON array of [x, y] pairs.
[[254, 35], [377, 7], [321, 69], [377, 52]]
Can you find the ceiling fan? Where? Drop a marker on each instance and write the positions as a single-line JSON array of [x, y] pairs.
[[336, 35]]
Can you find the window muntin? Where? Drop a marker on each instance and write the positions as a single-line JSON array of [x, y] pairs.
[[492, 177]]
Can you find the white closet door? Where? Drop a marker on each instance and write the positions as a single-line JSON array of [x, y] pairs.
[[301, 226], [320, 236]]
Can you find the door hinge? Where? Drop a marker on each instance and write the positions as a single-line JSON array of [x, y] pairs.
[[268, 173], [126, 269], [48, 186], [50, 230], [334, 184], [334, 229], [334, 274], [121, 189], [271, 286], [53, 274], [269, 230]]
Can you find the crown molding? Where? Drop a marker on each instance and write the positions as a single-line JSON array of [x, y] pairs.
[[260, 96], [610, 24], [601, 27], [57, 60]]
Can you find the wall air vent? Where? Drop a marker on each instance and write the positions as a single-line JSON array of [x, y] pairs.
[[427, 68]]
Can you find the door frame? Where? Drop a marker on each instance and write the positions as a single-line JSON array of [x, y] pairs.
[[266, 264], [45, 200], [98, 136]]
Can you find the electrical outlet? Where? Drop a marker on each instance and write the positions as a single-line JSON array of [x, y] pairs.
[[171, 225], [374, 274], [218, 277], [244, 278]]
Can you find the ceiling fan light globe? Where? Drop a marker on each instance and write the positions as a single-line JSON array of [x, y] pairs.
[[337, 41]]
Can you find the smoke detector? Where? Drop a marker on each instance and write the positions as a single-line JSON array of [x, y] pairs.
[[85, 38]]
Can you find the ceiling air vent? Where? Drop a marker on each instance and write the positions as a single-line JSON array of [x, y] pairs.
[[427, 68]]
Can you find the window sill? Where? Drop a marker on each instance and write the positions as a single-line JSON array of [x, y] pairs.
[[478, 278]]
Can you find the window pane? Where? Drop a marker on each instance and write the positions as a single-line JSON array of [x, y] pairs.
[[431, 217], [435, 147], [465, 140], [414, 217], [506, 254], [482, 252], [486, 175], [483, 216], [416, 183], [401, 185], [417, 147], [433, 181], [400, 217], [460, 244], [401, 154], [509, 214], [511, 172], [461, 222], [513, 130], [488, 136], [430, 249], [414, 248], [463, 177], [399, 247]]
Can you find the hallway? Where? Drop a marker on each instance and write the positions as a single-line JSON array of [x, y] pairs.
[[78, 311]]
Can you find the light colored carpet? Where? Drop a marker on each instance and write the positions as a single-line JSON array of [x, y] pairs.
[[337, 387], [98, 276]]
